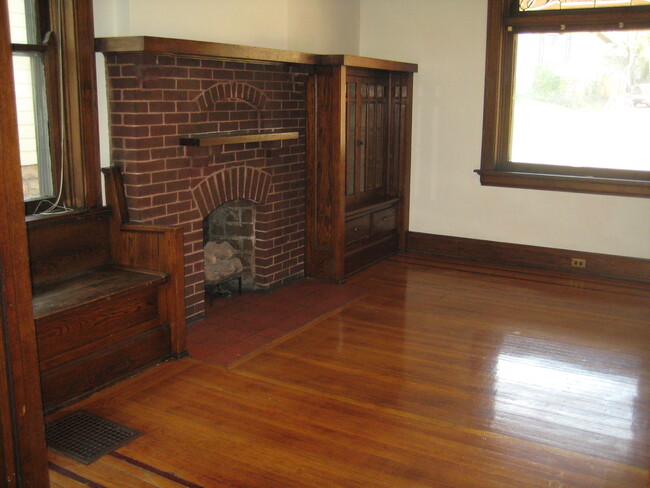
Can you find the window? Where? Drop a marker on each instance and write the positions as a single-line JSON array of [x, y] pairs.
[[31, 98], [567, 97], [54, 75]]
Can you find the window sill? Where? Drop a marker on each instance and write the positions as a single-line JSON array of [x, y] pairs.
[[36, 220], [577, 184]]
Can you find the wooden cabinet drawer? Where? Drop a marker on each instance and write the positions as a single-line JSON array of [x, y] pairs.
[[384, 221], [73, 328], [357, 229], [364, 256]]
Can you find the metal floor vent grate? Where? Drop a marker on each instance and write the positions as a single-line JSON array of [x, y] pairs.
[[86, 437]]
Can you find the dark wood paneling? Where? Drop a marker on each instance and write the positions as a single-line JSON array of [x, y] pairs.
[[325, 174], [99, 284], [54, 299], [70, 381], [603, 265], [7, 441], [68, 244], [151, 247], [383, 144], [21, 414], [358, 259], [73, 328], [368, 63], [357, 229], [384, 221], [405, 83]]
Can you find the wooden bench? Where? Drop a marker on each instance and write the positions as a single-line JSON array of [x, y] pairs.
[[107, 296]]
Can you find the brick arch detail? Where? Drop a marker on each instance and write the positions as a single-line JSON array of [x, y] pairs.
[[231, 90], [231, 184]]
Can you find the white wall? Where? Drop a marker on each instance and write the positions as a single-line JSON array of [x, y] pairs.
[[324, 26], [447, 39], [318, 26], [251, 22]]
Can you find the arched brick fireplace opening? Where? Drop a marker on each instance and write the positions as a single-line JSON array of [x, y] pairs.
[[239, 189], [157, 100]]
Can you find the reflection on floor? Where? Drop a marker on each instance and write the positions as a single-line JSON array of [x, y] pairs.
[[440, 375], [235, 327]]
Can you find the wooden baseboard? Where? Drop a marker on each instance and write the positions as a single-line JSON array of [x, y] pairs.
[[502, 253]]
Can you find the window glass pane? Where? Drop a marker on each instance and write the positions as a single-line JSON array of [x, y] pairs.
[[582, 99], [531, 5], [32, 125], [22, 19]]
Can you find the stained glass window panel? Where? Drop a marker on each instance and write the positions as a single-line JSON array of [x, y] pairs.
[[532, 5]]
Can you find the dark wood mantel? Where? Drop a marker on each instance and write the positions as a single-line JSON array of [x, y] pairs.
[[163, 45]]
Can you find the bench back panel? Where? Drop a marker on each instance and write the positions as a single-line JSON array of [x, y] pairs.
[[68, 244]]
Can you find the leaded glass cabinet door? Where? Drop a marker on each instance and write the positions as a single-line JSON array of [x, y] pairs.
[[366, 138]]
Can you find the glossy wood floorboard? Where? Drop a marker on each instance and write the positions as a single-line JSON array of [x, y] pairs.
[[441, 375]]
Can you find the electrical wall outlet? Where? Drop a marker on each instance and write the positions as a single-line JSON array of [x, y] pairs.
[[578, 263]]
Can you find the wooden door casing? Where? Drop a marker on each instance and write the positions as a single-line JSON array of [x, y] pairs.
[[24, 460]]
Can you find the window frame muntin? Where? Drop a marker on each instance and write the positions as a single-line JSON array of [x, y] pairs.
[[504, 23], [75, 106], [41, 23]]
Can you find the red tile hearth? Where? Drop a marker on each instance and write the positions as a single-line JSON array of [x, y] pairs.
[[236, 327]]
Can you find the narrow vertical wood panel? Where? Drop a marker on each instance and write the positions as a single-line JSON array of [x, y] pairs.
[[82, 170], [21, 418], [326, 174], [404, 167], [151, 247]]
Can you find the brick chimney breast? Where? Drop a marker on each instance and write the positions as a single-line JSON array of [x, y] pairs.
[[156, 100]]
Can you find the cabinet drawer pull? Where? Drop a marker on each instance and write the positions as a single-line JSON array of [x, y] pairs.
[[355, 228], [384, 218]]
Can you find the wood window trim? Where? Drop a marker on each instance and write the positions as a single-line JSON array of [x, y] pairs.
[[72, 107], [495, 169]]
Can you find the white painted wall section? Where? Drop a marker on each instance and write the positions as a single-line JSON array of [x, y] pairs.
[[447, 39], [324, 26]]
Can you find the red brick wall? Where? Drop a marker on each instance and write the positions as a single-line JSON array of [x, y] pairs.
[[156, 100]]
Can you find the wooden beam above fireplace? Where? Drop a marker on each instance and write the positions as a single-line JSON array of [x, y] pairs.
[[163, 45], [237, 137]]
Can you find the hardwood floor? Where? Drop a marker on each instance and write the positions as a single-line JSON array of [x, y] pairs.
[[235, 327], [442, 375]]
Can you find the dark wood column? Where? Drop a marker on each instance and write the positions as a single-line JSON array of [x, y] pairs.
[[24, 461]]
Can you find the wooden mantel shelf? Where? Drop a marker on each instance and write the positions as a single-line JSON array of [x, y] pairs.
[[237, 137], [163, 45]]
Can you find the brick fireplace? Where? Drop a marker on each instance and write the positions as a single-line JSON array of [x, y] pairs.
[[156, 100]]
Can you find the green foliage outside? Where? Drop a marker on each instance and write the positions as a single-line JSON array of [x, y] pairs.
[[566, 92]]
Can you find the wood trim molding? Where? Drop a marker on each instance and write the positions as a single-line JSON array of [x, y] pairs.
[[24, 455], [82, 175], [496, 167], [162, 45], [361, 62], [502, 253], [575, 184]]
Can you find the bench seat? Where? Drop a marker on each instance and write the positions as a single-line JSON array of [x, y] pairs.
[[58, 295], [107, 297]]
